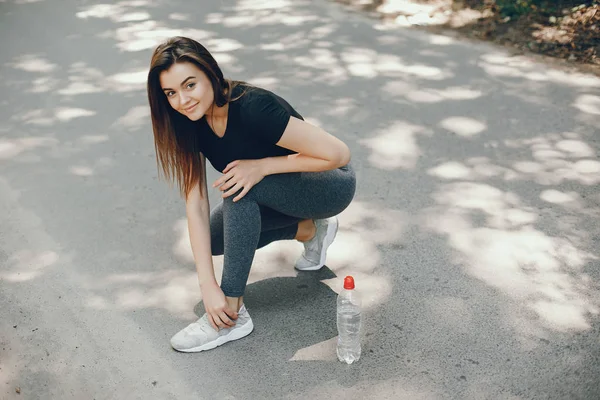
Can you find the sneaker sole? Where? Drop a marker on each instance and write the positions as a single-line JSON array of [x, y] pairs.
[[236, 334], [329, 237]]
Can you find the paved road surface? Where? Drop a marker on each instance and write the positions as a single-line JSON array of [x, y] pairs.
[[474, 234]]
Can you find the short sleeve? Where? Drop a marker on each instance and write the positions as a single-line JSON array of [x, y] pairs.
[[265, 116]]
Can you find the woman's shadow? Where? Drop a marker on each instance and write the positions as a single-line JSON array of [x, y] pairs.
[[289, 314]]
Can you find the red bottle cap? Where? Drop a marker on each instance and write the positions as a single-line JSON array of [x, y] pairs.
[[349, 282]]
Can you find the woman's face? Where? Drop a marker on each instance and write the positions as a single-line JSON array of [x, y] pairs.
[[188, 89]]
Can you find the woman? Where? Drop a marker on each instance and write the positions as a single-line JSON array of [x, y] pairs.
[[282, 179]]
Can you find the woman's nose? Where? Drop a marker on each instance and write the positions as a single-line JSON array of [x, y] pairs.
[[183, 98]]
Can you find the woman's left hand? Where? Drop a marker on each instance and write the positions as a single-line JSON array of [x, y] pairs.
[[240, 174]]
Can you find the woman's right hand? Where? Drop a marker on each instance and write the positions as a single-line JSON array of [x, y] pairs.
[[220, 315]]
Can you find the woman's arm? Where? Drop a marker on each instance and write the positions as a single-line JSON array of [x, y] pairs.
[[318, 150], [220, 315], [198, 216]]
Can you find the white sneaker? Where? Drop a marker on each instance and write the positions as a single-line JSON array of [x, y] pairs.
[[315, 250], [200, 335]]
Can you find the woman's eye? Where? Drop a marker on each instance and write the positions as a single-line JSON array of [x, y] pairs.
[[191, 85], [171, 93]]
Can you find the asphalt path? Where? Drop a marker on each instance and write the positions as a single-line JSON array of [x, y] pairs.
[[473, 236]]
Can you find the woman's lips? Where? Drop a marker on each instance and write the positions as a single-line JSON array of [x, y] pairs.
[[189, 109]]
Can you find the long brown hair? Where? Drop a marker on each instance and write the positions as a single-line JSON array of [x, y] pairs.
[[170, 127]]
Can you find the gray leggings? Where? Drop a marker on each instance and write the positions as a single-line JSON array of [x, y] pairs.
[[271, 211]]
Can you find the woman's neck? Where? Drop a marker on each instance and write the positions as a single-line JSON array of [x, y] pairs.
[[217, 112]]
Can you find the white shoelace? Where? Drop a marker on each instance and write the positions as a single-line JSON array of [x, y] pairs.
[[195, 328]]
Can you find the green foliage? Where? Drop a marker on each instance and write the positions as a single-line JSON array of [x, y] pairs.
[[511, 8], [515, 8]]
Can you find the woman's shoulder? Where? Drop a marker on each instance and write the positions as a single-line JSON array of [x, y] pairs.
[[254, 100], [247, 94]]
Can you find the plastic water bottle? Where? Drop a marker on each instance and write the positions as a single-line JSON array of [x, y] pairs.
[[348, 322]]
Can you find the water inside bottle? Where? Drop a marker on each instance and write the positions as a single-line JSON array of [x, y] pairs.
[[349, 321]]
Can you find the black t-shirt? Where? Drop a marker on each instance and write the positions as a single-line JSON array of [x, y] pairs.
[[255, 122]]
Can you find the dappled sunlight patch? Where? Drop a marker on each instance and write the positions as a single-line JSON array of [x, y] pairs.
[[460, 93], [44, 84], [374, 290], [27, 265], [588, 103], [502, 70], [323, 31], [320, 58], [573, 78], [396, 146], [76, 88], [65, 114], [276, 46], [255, 5], [174, 290], [145, 35], [349, 247], [557, 158], [250, 13], [273, 261], [563, 317], [441, 40], [97, 302], [83, 80], [93, 139], [182, 248], [222, 45], [494, 238], [134, 119], [331, 69], [557, 197], [322, 351], [127, 81], [397, 88], [451, 170], [504, 64], [48, 117], [429, 95], [81, 170], [377, 224], [133, 16], [33, 63], [355, 251], [367, 63], [179, 17], [267, 82], [123, 11], [229, 60], [501, 209], [575, 148], [10, 148], [463, 126], [111, 11], [343, 106], [419, 70], [362, 70]]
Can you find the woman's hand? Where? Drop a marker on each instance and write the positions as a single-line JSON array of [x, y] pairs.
[[240, 174], [220, 315]]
